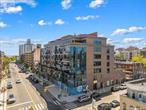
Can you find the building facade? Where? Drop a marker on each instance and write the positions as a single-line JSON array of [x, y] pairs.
[[143, 52], [79, 62], [29, 54], [135, 99], [132, 70]]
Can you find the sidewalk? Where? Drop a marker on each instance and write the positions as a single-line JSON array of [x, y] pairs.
[[3, 95], [65, 97], [48, 95]]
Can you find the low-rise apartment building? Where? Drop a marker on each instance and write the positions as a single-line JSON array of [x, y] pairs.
[[135, 99], [127, 53], [79, 62], [132, 70]]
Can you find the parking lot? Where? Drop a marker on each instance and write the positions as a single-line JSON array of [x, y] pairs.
[[106, 99]]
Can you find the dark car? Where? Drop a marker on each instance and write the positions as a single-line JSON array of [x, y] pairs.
[[9, 76], [104, 106], [95, 95], [84, 98], [115, 103]]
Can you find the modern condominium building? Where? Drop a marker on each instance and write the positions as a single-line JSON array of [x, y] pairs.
[[79, 62]]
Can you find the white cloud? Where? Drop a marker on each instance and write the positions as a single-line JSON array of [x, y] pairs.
[[3, 25], [43, 23], [5, 3], [126, 31], [59, 22], [12, 9], [11, 6], [133, 40], [66, 4], [86, 17], [96, 3], [112, 42], [16, 41]]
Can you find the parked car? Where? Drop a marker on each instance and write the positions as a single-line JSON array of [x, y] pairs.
[[9, 76], [116, 88], [84, 98], [123, 86], [115, 103], [104, 106], [11, 99], [35, 80], [9, 85], [18, 81], [95, 95]]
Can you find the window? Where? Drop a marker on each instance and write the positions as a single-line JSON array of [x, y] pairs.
[[97, 56], [108, 51], [97, 70], [97, 42], [108, 63], [139, 95], [108, 57], [97, 63], [108, 70], [133, 95], [97, 49]]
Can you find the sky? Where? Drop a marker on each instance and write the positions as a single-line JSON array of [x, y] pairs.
[[122, 22]]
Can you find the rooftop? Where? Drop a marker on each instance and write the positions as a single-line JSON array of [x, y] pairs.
[[138, 85], [126, 62]]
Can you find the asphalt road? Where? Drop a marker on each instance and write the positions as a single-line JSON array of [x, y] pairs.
[[29, 94], [26, 95]]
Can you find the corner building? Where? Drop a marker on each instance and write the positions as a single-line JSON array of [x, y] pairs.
[[80, 62]]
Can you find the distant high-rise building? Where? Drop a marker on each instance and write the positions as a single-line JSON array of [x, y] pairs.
[[25, 52], [26, 48]]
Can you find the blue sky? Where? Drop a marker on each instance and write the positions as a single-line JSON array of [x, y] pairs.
[[123, 22]]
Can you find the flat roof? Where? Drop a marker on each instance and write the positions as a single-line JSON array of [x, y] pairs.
[[138, 85]]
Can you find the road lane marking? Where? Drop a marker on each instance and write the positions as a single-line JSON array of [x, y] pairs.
[[39, 107], [42, 106], [26, 89], [36, 107], [19, 104], [26, 108], [55, 102]]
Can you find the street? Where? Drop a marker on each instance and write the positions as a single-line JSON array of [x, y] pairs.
[[106, 99], [26, 95]]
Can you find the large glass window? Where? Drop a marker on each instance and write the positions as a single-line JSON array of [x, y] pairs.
[[97, 42], [97, 56], [97, 63], [97, 70], [97, 49]]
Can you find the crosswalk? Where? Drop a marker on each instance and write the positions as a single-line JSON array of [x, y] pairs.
[[35, 107]]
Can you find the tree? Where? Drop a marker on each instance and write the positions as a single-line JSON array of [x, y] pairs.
[[140, 59]]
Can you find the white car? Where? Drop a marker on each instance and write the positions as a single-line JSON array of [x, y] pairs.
[[11, 99]]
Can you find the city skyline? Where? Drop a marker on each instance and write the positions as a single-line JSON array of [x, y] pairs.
[[123, 23]]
